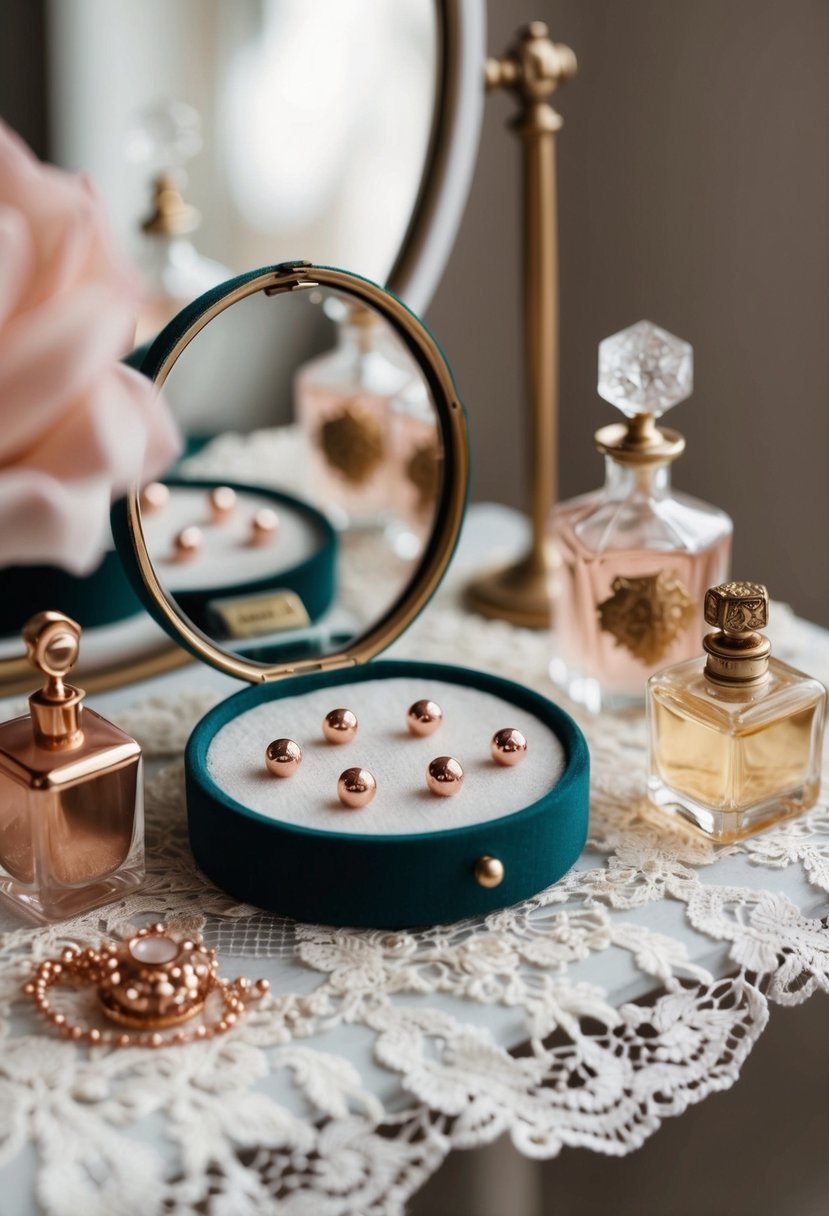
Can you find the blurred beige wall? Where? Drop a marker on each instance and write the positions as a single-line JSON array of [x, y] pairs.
[[694, 191]]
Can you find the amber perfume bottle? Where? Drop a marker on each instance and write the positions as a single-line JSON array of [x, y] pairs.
[[71, 798], [735, 737], [632, 560], [342, 404]]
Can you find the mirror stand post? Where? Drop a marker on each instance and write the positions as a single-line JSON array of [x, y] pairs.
[[533, 69]]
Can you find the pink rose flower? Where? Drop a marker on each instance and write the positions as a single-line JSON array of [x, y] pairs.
[[76, 426]]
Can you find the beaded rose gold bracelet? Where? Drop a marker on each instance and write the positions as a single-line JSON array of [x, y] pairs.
[[151, 983]]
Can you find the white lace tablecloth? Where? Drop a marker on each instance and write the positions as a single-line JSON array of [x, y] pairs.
[[632, 989]]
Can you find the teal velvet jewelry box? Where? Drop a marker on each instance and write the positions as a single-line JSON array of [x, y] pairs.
[[410, 857]]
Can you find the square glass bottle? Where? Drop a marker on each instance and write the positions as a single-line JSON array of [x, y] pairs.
[[632, 560], [735, 737], [71, 795]]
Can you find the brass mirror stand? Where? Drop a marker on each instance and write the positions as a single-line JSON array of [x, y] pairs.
[[533, 68]]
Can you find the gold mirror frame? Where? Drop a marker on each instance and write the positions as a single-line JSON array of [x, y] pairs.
[[439, 549]]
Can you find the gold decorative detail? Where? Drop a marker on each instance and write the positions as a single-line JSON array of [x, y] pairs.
[[737, 607], [646, 615], [423, 471], [489, 871], [353, 443]]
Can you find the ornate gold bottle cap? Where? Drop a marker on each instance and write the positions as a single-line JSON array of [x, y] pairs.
[[644, 371], [737, 653], [53, 642]]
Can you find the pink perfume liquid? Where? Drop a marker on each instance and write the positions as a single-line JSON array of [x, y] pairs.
[[630, 575]]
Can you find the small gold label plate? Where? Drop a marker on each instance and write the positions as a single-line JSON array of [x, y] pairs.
[[252, 615]]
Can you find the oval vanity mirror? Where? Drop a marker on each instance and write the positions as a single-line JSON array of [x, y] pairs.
[[313, 514]]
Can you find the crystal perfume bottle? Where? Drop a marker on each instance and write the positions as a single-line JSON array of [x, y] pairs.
[[71, 798], [174, 271], [342, 403], [735, 737], [632, 560]]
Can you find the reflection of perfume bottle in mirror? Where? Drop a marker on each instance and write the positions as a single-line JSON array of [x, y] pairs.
[[417, 462], [735, 736], [342, 405], [71, 800], [631, 561], [174, 271]]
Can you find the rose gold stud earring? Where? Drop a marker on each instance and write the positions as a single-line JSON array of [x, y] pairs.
[[154, 496], [444, 776], [187, 543], [356, 788], [339, 726], [283, 757], [264, 527], [508, 746], [424, 717], [222, 503]]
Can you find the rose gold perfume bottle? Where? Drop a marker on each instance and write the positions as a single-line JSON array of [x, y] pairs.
[[631, 561], [71, 799], [735, 737], [342, 405]]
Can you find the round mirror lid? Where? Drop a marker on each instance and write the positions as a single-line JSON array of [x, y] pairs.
[[158, 363]]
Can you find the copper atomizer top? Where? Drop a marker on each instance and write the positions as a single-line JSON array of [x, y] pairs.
[[53, 642]]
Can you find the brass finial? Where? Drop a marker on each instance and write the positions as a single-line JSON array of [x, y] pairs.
[[52, 646], [534, 67], [737, 653]]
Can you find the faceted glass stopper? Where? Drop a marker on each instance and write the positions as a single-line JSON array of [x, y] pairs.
[[645, 370], [164, 136]]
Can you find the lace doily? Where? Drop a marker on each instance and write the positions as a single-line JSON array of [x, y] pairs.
[[568, 1020]]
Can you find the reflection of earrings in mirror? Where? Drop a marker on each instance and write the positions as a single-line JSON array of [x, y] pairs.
[[154, 496], [444, 776], [424, 717], [339, 726], [222, 501], [356, 787], [283, 757], [508, 746], [264, 527], [187, 543]]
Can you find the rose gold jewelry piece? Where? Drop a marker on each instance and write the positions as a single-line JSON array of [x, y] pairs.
[[222, 502], [187, 543], [264, 527], [508, 746], [356, 787], [283, 757], [154, 496], [444, 776], [424, 717], [339, 726], [151, 983]]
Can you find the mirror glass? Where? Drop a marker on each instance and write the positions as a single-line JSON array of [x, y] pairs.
[[302, 506], [296, 128]]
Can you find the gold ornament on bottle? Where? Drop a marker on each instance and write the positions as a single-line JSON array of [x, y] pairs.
[[648, 614], [353, 443], [423, 471]]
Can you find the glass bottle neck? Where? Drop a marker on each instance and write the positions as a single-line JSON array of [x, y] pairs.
[[623, 481]]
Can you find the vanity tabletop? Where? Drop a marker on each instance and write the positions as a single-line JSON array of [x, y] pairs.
[[635, 987]]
